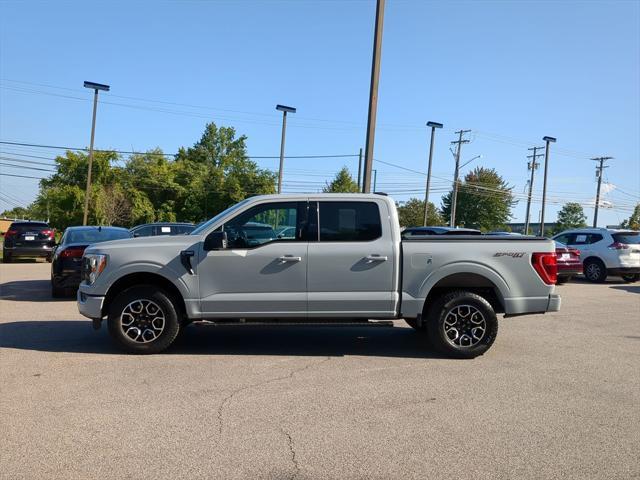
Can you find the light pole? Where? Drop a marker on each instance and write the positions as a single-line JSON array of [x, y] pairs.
[[548, 140], [284, 109], [373, 97], [96, 87], [433, 126]]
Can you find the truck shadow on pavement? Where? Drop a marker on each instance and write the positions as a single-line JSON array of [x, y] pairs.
[[299, 340], [29, 291]]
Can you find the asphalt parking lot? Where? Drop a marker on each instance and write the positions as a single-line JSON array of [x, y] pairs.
[[558, 396]]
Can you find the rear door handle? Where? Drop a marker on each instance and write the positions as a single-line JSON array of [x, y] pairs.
[[376, 258], [289, 258]]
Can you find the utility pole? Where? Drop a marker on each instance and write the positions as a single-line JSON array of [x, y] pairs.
[[533, 166], [433, 126], [548, 140], [373, 97], [375, 179], [95, 87], [599, 169], [454, 199], [360, 170]]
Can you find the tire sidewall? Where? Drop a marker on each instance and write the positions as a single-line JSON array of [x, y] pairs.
[[162, 300], [602, 269], [438, 313]]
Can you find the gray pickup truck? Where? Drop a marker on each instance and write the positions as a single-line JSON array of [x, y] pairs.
[[323, 256]]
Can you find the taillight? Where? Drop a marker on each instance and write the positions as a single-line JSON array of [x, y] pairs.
[[618, 246], [72, 252], [48, 233], [574, 252], [546, 264], [10, 233]]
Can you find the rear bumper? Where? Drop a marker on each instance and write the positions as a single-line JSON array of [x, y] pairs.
[[569, 269], [41, 251], [90, 305], [623, 270], [531, 305]]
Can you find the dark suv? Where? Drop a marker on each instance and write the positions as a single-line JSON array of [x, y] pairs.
[[28, 239], [162, 228]]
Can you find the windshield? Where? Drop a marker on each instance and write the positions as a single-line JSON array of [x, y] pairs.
[[630, 238], [204, 226], [95, 235]]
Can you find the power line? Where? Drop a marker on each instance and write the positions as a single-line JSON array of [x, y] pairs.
[[21, 176], [129, 152], [25, 167]]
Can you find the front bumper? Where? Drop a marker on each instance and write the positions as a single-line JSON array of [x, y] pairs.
[[90, 305]]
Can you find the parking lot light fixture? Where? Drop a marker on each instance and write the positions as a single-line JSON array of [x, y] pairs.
[[547, 140], [433, 126], [96, 87], [284, 109]]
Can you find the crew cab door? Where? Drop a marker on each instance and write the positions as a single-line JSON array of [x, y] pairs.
[[263, 272], [351, 265]]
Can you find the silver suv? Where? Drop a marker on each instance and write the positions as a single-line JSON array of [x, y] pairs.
[[605, 252]]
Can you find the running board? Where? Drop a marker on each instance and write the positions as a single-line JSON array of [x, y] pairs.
[[298, 323]]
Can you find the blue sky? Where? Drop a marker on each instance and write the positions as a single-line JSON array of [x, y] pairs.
[[510, 71]]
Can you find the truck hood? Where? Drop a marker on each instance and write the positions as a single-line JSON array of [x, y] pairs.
[[179, 242]]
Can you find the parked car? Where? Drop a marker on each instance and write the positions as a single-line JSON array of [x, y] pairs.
[[161, 228], [502, 233], [347, 261], [422, 231], [28, 239], [66, 266], [605, 252], [569, 263]]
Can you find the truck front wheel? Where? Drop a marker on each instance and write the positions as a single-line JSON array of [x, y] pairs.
[[462, 324], [143, 319]]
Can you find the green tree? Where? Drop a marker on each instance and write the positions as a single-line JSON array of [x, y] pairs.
[[484, 200], [343, 182], [411, 214], [633, 222], [571, 215], [17, 212], [216, 173]]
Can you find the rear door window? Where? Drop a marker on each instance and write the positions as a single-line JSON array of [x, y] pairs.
[[595, 237], [349, 221]]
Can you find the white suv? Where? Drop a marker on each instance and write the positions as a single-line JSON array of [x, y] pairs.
[[605, 252]]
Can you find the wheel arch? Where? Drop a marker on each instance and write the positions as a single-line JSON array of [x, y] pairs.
[[144, 278], [472, 282]]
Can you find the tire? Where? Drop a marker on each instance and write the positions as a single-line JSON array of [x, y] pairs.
[[631, 277], [594, 270], [413, 323], [57, 292], [6, 257], [466, 309], [146, 312]]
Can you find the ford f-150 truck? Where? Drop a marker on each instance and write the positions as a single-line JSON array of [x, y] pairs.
[[327, 256]]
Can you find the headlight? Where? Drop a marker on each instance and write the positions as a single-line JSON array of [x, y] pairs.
[[93, 265]]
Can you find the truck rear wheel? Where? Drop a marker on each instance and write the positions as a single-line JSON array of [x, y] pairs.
[[143, 319], [462, 324]]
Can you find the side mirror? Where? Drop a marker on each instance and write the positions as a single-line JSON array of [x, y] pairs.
[[136, 234], [216, 241]]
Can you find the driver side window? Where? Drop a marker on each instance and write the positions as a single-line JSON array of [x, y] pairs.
[[270, 222]]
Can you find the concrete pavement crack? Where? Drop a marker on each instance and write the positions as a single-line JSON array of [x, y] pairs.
[[237, 391], [296, 467]]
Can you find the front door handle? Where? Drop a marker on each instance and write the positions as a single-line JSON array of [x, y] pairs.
[[289, 258], [376, 258]]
